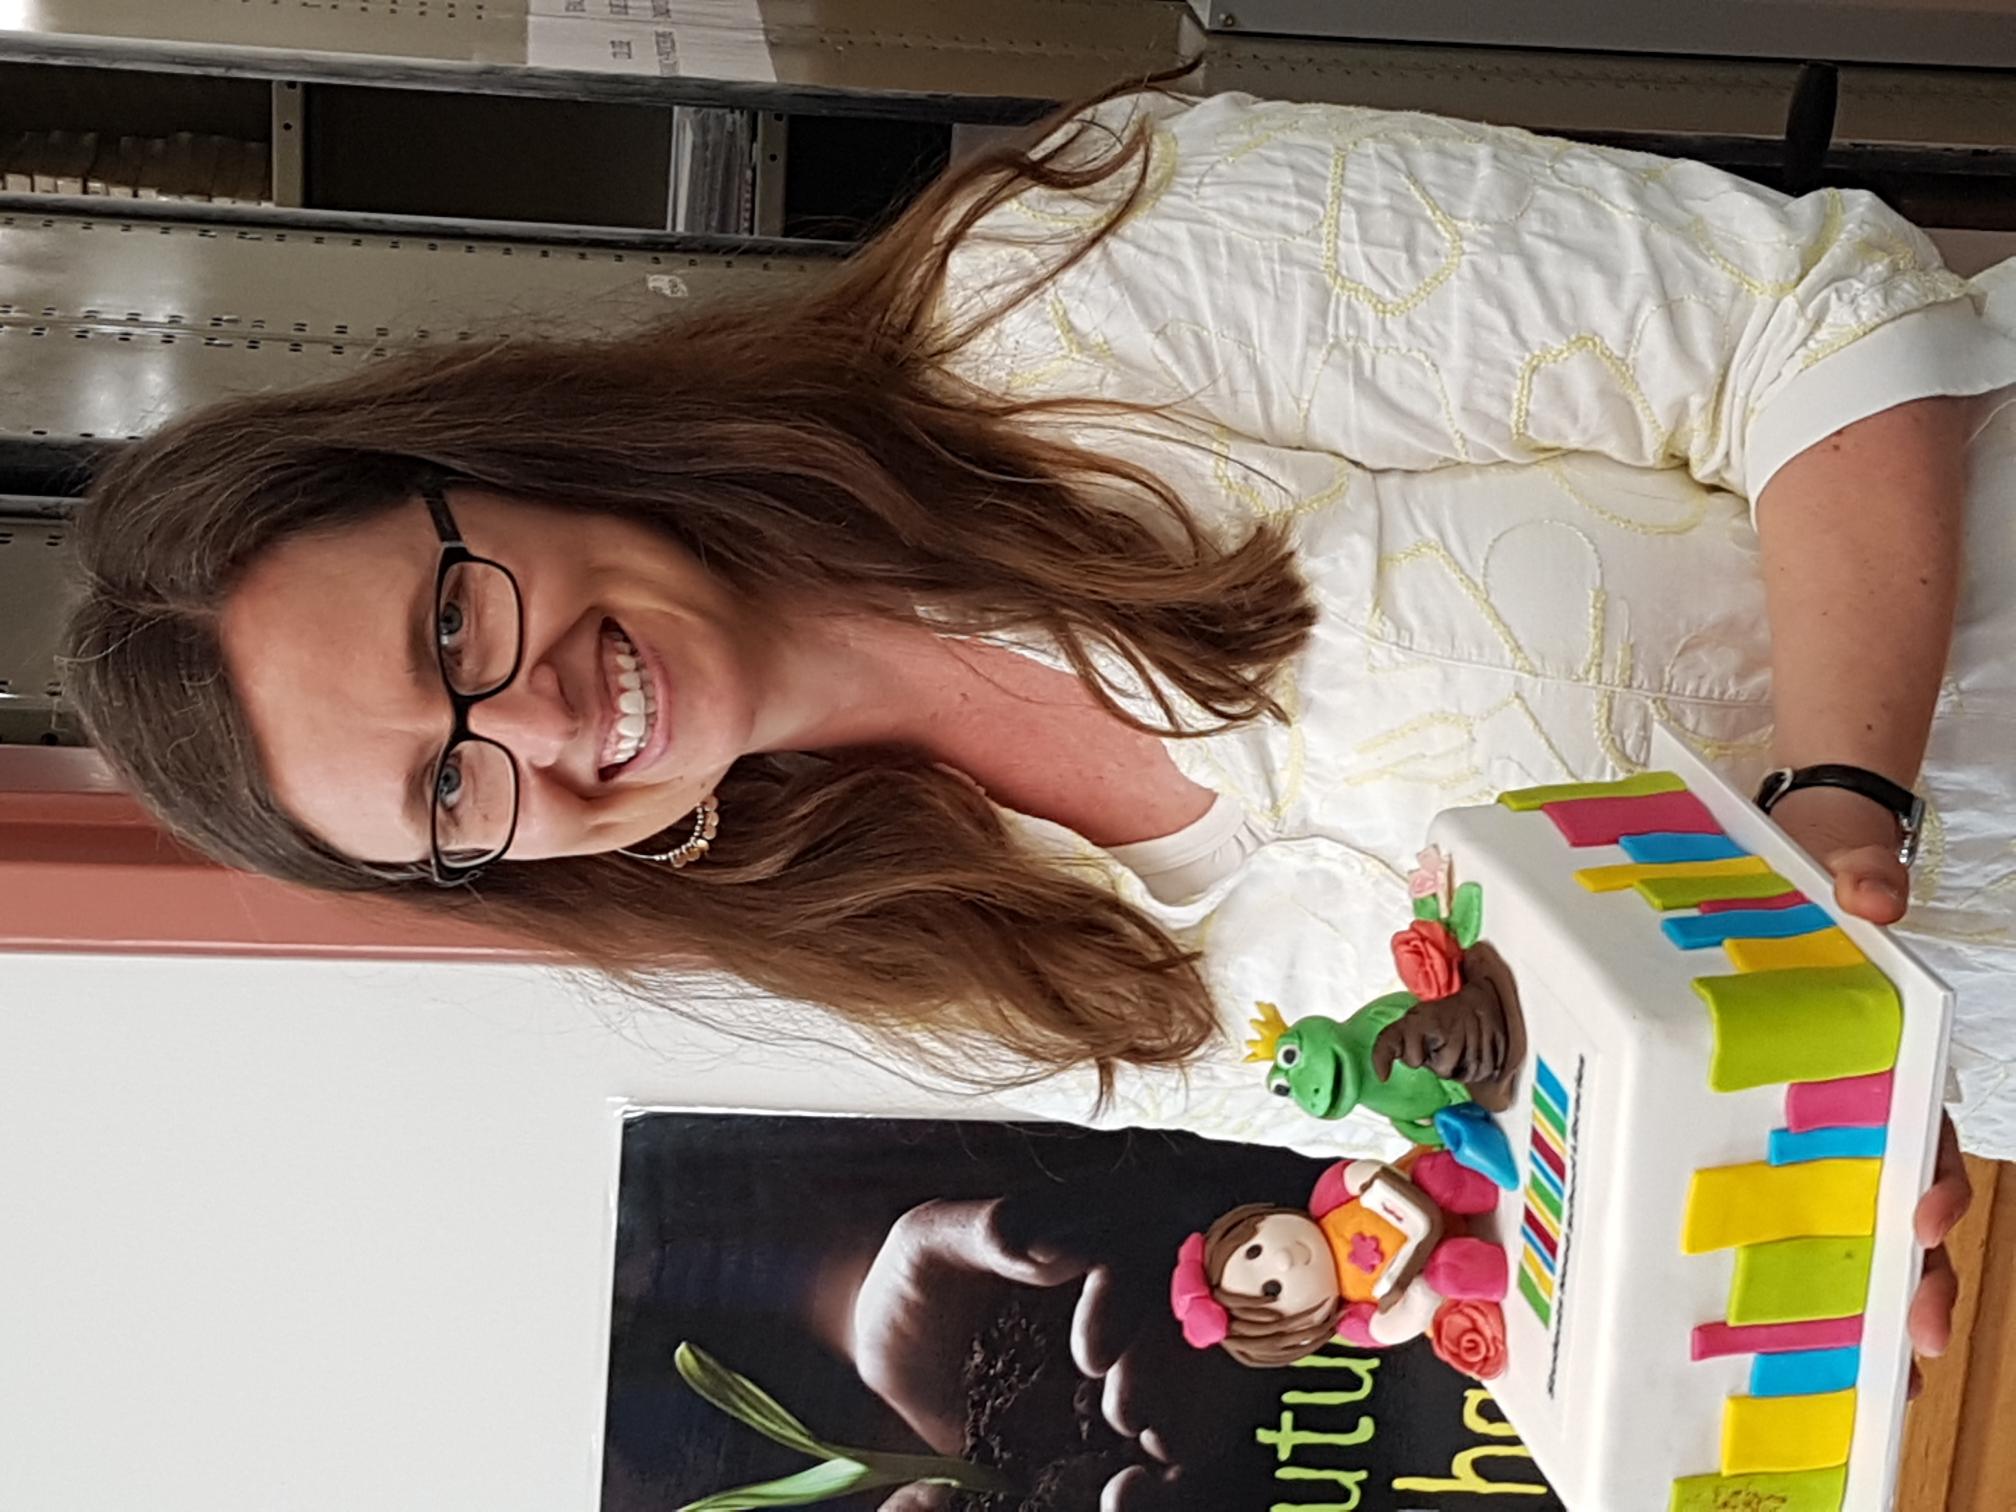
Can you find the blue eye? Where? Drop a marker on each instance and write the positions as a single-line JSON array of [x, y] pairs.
[[448, 784], [448, 624]]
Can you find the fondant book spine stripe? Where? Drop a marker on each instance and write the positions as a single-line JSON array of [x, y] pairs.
[[1604, 821], [1541, 1229], [1855, 1102]]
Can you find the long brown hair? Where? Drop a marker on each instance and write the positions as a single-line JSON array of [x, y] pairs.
[[820, 443]]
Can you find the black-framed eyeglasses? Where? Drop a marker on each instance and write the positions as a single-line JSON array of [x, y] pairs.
[[479, 641]]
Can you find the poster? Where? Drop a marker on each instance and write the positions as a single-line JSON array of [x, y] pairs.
[[923, 1287]]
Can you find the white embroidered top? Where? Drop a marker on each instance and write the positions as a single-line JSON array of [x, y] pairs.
[[1509, 396]]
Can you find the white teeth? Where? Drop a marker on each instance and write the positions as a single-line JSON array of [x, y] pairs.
[[634, 702]]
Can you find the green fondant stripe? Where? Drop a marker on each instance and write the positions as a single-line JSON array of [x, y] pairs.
[[1691, 892], [1800, 1280], [1643, 785], [1807, 1024], [1538, 1192], [1550, 1118], [1797, 1491], [1538, 1303]]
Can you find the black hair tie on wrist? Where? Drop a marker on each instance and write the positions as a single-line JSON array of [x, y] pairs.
[[1905, 806]]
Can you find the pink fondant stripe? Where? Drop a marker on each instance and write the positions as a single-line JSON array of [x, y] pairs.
[[1603, 821], [1783, 900], [1853, 1102], [1714, 1340]]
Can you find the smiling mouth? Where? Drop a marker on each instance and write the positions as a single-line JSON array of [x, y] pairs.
[[633, 702]]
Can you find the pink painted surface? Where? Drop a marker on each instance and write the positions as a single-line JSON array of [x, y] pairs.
[[1714, 1340], [1853, 1102], [1728, 905], [1603, 821], [83, 868]]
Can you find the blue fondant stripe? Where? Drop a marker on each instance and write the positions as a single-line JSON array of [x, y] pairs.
[[1549, 1083], [1788, 1148], [1553, 1110], [1806, 1372], [1703, 931], [1531, 1235], [1547, 1177], [1657, 850]]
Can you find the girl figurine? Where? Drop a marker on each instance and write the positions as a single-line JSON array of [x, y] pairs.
[[1380, 1256]]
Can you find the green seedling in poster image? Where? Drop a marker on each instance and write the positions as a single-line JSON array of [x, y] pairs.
[[840, 1472]]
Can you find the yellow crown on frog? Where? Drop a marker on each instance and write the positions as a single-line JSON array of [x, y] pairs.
[[1267, 1030]]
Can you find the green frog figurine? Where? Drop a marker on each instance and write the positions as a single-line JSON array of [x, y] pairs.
[[1436, 1060]]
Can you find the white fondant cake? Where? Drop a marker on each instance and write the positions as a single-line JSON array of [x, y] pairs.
[[1613, 1120]]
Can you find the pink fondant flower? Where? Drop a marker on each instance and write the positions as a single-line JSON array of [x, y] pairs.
[[1470, 1336], [1367, 1253], [1430, 877], [1204, 1319], [1429, 959]]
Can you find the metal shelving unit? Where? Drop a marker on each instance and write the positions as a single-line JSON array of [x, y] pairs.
[[110, 322], [1939, 33], [941, 59], [31, 544]]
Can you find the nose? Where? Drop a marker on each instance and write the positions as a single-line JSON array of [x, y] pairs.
[[1273, 1263], [531, 719]]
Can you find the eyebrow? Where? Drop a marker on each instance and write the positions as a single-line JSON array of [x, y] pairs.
[[421, 666]]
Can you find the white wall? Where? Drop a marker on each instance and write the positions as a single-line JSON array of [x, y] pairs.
[[288, 1237]]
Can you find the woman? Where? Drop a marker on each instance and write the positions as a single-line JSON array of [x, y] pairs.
[[1067, 620]]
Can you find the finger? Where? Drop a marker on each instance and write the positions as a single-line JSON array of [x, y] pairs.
[[971, 1235], [918, 1499], [1139, 1489], [1105, 1321], [1931, 1318], [1119, 1401], [1947, 1200], [1870, 883], [1123, 1491]]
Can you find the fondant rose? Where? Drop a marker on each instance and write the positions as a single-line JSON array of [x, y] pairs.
[[1430, 877], [1471, 1337], [1429, 959]]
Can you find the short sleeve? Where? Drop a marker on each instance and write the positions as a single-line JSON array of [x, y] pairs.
[[1410, 292]]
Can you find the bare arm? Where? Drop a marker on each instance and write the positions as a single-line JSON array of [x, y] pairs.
[[1861, 537], [1861, 546]]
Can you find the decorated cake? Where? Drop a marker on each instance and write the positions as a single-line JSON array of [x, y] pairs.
[[1675, 1113]]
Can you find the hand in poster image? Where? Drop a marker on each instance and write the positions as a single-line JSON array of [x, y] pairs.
[[950, 1274]]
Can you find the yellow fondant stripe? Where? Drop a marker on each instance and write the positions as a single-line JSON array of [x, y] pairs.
[[1761, 1204], [1547, 1220], [1631, 873], [1830, 947], [1765, 1434], [1643, 785], [1810, 1023], [1692, 892], [1539, 1277]]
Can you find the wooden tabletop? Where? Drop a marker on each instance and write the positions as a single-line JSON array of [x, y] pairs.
[[1955, 1459]]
